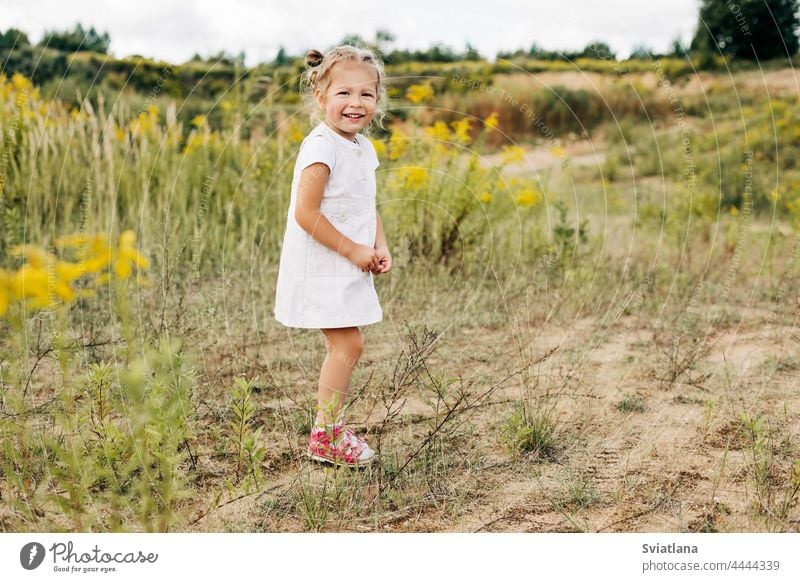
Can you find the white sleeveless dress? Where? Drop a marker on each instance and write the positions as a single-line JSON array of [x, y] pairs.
[[317, 287]]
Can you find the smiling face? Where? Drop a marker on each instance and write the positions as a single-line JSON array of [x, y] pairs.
[[350, 100]]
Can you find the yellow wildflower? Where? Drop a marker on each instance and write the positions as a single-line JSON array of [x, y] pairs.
[[198, 120], [415, 178], [193, 142], [734, 210], [380, 147], [398, 144], [128, 255], [438, 131], [491, 121], [419, 93], [35, 256], [486, 197], [528, 197], [33, 284], [512, 154], [70, 271], [558, 151], [21, 82], [5, 292], [461, 130]]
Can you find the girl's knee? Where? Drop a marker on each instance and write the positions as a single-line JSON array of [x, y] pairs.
[[346, 342], [354, 343]]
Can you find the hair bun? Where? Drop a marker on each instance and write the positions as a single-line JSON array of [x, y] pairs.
[[313, 58]]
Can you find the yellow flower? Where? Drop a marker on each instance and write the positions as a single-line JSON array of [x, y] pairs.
[[528, 198], [512, 154], [380, 147], [193, 142], [21, 82], [461, 130], [70, 271], [33, 284], [398, 144], [438, 131], [35, 256], [198, 120], [5, 292], [491, 121], [419, 93], [226, 105], [415, 178], [774, 195], [558, 151], [734, 210], [486, 197], [141, 124], [128, 256]]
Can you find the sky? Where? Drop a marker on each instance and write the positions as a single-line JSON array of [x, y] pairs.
[[174, 30]]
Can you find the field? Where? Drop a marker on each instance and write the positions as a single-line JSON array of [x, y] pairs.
[[583, 331]]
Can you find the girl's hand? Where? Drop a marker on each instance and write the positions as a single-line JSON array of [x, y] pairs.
[[364, 257], [384, 260]]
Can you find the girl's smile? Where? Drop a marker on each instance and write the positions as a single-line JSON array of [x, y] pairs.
[[349, 103]]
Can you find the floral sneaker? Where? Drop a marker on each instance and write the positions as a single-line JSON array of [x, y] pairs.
[[344, 449]]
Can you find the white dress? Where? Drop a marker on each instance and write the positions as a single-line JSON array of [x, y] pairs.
[[317, 287]]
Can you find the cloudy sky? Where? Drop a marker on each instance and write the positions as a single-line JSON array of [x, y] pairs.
[[174, 30]]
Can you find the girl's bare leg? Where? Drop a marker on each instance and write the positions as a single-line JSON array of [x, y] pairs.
[[344, 347]]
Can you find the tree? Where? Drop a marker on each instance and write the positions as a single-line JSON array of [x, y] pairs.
[[354, 40], [383, 37], [281, 58], [677, 49], [642, 52], [13, 39], [472, 54], [536, 51], [598, 50], [747, 29], [77, 39]]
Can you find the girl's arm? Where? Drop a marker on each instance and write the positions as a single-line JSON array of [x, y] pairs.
[[380, 239], [307, 213]]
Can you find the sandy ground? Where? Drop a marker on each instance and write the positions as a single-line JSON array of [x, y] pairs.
[[677, 463]]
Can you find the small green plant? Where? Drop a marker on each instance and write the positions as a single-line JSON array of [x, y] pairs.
[[530, 430], [580, 492], [567, 238], [631, 403], [249, 453], [763, 467], [312, 505], [711, 410]]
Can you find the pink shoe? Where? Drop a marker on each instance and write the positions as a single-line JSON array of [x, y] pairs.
[[345, 448]]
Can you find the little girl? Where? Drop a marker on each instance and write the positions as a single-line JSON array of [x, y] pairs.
[[334, 241]]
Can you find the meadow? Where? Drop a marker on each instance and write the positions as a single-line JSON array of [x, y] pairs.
[[589, 326]]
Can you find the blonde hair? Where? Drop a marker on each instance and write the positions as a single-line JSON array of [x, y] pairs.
[[317, 77]]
